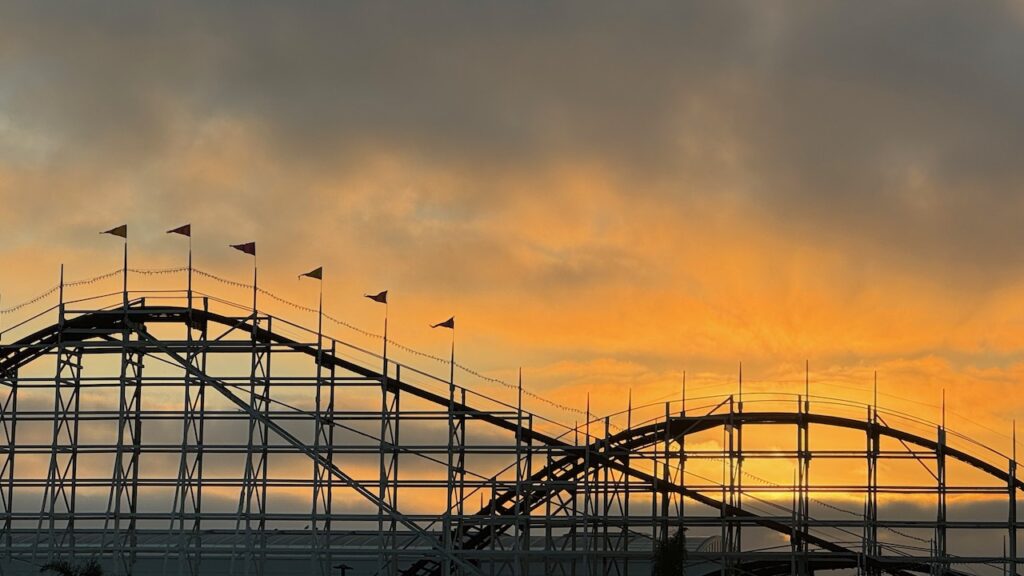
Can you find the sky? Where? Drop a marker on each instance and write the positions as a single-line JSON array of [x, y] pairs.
[[603, 194]]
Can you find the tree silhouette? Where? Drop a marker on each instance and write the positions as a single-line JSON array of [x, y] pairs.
[[670, 555], [65, 568]]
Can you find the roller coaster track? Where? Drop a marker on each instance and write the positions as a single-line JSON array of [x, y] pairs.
[[555, 478]]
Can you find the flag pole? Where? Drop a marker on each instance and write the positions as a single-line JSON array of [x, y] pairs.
[[190, 273], [186, 230], [124, 273], [519, 390], [451, 366], [250, 249], [254, 289], [386, 313], [682, 410], [60, 297], [318, 275], [122, 232], [382, 298], [807, 385], [874, 392]]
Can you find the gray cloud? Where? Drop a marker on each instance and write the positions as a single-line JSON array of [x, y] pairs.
[[891, 131]]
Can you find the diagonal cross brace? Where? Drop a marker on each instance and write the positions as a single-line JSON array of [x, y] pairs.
[[219, 386]]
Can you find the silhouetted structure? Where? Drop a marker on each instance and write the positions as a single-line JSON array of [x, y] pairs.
[[184, 434]]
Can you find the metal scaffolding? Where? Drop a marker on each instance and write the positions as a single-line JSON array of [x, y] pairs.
[[153, 432]]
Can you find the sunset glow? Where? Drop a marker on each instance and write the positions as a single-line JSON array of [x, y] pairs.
[[606, 197]]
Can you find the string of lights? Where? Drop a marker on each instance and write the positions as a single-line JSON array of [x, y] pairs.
[[398, 345], [337, 321], [157, 271], [49, 292], [334, 320]]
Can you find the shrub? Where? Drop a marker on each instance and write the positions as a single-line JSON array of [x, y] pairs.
[[670, 555], [65, 568]]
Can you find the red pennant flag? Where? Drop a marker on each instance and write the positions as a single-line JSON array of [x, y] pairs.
[[381, 297], [248, 247], [185, 230], [317, 273], [120, 231], [449, 323]]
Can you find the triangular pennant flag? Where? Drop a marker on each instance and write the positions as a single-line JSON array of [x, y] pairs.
[[381, 297], [185, 230], [449, 323], [248, 247], [317, 273], [120, 231]]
